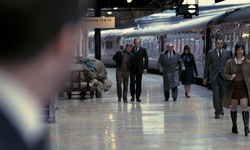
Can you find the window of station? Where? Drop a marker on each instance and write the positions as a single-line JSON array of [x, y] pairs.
[[109, 45]]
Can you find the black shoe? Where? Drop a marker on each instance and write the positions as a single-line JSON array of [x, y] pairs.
[[119, 100], [125, 101], [138, 100], [234, 130], [175, 99], [132, 99], [166, 99], [217, 116], [222, 112], [246, 130]]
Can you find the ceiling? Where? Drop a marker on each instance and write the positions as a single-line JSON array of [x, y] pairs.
[[126, 13]]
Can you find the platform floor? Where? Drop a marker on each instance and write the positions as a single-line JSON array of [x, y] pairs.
[[104, 124]]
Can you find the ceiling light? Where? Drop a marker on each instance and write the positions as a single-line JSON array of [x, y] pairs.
[[129, 1], [109, 12]]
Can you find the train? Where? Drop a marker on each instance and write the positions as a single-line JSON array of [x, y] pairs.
[[198, 33]]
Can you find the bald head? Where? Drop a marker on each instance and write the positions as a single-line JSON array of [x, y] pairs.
[[170, 47]]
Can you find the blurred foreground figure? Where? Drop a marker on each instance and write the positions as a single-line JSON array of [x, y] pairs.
[[38, 38]]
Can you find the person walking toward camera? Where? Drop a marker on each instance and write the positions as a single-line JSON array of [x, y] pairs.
[[214, 71], [124, 61], [140, 66], [170, 64], [237, 69], [187, 76]]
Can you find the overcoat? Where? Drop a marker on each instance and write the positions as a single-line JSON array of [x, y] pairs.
[[230, 69], [171, 69], [187, 76]]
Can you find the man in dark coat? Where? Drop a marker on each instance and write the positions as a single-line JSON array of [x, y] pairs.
[[140, 66], [170, 64], [35, 54]]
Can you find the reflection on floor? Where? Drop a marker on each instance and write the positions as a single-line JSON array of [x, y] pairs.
[[104, 124]]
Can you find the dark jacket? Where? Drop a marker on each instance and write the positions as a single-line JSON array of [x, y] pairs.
[[187, 76], [138, 57], [11, 139], [118, 57]]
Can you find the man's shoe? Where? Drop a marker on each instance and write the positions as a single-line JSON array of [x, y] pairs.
[[222, 112], [166, 99], [175, 99], [119, 100], [217, 116], [125, 101], [132, 99], [138, 100]]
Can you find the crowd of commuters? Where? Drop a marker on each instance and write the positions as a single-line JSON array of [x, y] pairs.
[[221, 69]]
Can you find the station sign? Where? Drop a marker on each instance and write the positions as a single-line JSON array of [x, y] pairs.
[[99, 22]]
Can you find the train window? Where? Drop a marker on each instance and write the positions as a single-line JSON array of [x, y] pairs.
[[109, 45]]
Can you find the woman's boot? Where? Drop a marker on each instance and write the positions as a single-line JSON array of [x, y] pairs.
[[234, 121], [245, 116]]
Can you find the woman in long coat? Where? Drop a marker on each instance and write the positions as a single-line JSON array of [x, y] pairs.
[[187, 76], [237, 70]]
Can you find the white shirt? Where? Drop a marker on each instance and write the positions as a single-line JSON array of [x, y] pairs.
[[21, 108], [218, 52], [137, 49]]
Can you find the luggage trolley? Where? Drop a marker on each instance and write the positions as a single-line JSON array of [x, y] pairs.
[[79, 81]]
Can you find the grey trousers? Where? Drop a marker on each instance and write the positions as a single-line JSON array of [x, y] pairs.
[[218, 88], [174, 93], [122, 78]]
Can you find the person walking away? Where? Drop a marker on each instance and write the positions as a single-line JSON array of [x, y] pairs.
[[187, 76], [170, 64], [237, 70], [214, 71], [124, 61]]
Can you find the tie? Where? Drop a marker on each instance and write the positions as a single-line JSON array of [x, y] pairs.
[[170, 55], [219, 53]]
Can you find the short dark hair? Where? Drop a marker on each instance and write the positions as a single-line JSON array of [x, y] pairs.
[[129, 45], [136, 40], [218, 37], [28, 26], [238, 45]]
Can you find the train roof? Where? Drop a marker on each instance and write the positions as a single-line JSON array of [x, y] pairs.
[[111, 34], [240, 14], [198, 23]]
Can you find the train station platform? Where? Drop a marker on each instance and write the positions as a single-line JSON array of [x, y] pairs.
[[104, 124]]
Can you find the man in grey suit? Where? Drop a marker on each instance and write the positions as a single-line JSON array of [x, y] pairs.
[[170, 64], [214, 71]]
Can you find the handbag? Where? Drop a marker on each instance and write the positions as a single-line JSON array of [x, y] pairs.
[[229, 84]]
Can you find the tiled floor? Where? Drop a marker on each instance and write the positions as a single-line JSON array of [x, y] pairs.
[[105, 124]]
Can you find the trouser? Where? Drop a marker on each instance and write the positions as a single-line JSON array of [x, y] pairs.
[[218, 89], [135, 79], [122, 78], [174, 93]]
